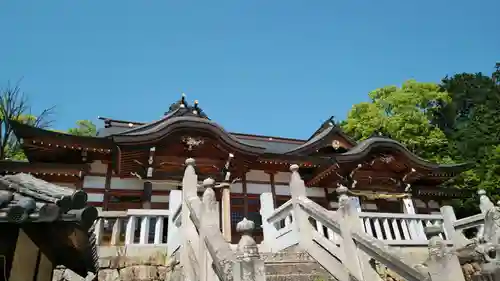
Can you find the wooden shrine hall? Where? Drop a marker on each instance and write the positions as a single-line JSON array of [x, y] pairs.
[[132, 165]]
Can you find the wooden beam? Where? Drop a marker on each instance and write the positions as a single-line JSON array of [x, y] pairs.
[[107, 187], [273, 188], [45, 268], [8, 238], [25, 259], [245, 194]]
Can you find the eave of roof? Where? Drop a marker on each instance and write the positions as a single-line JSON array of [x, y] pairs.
[[314, 142], [365, 147], [26, 131], [160, 129], [40, 166]]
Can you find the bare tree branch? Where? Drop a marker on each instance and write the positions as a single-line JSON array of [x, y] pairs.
[[14, 105]]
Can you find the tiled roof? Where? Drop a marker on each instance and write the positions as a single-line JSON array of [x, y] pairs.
[[29, 201]]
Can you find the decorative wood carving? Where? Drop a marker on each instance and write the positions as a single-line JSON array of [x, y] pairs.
[[192, 142]]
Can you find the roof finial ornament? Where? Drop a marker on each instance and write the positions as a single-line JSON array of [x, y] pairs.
[[195, 107], [183, 101]]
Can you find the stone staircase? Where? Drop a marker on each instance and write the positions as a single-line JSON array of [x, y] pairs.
[[293, 265]]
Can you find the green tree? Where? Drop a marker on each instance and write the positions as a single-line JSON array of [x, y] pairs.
[[471, 123], [14, 105], [84, 128], [404, 114]]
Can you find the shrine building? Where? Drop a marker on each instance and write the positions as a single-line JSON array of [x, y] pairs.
[[133, 165]]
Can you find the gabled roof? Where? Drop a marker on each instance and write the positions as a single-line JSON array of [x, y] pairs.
[[46, 211], [329, 123]]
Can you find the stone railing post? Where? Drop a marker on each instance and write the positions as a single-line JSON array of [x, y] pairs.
[[266, 210], [455, 236], [189, 234], [355, 260], [442, 264], [301, 223], [209, 218], [173, 232], [485, 205], [248, 265]]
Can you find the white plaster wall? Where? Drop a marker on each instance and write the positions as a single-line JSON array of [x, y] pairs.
[[159, 198], [282, 177], [95, 197], [116, 183], [257, 175], [127, 184], [65, 184], [93, 182], [98, 167]]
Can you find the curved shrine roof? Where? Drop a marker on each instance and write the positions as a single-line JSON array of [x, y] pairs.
[[184, 117], [370, 145]]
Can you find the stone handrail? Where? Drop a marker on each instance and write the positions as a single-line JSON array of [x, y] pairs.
[[475, 222], [392, 228], [351, 259], [176, 215], [123, 225], [205, 255], [281, 212]]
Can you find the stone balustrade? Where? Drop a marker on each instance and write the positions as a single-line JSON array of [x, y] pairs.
[[399, 229], [134, 226]]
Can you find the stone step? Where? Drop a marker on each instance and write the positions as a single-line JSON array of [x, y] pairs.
[[298, 277], [298, 266]]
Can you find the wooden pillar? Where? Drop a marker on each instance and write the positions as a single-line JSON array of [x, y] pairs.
[[226, 212], [245, 193], [79, 183], [273, 187], [327, 200], [107, 187], [226, 201], [147, 190]]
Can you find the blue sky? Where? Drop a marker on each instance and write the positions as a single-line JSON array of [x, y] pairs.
[[263, 67]]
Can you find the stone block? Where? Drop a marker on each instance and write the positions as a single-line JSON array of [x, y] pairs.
[[108, 275], [139, 273]]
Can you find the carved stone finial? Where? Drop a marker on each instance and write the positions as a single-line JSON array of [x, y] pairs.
[[437, 248], [208, 182], [209, 197], [247, 247], [190, 162], [341, 190], [294, 168], [343, 197], [245, 226], [209, 215], [485, 203]]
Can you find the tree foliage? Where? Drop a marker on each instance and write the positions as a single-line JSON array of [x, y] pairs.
[[471, 122], [84, 128], [403, 114], [457, 120], [14, 105]]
